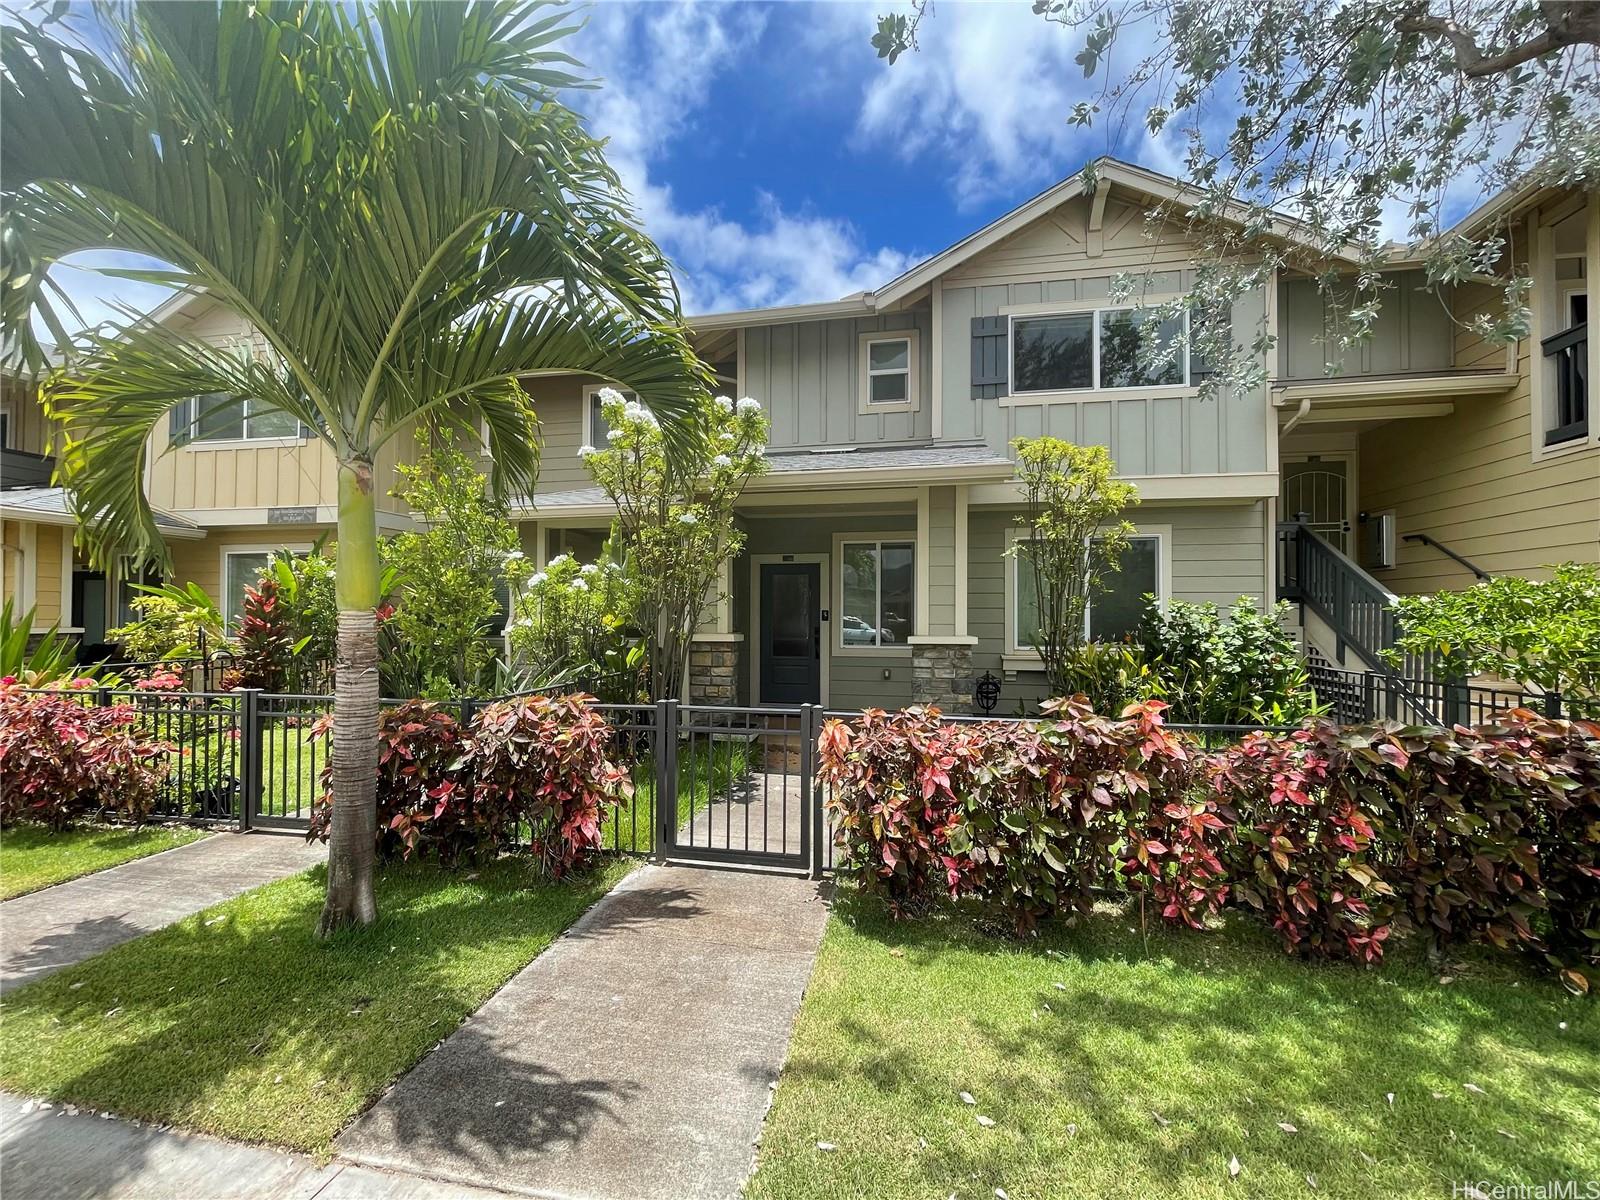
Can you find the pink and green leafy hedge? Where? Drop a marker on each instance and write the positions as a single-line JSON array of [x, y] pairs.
[[1337, 835]]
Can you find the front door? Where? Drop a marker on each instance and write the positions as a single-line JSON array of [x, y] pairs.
[[791, 633], [1318, 489]]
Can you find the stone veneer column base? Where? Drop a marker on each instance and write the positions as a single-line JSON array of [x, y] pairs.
[[714, 670], [941, 673]]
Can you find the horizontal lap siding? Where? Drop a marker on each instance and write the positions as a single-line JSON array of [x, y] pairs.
[[1217, 556], [1478, 489]]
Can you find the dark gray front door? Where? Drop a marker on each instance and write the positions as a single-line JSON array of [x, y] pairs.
[[791, 633]]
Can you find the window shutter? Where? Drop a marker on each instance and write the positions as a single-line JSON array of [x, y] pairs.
[[989, 357], [180, 423]]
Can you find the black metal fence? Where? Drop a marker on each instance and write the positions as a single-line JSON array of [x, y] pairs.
[[1355, 697]]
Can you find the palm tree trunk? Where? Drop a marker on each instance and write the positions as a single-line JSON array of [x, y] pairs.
[[351, 842]]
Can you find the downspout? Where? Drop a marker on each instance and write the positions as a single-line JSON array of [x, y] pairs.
[[1300, 415]]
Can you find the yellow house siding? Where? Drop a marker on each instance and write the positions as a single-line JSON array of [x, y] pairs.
[[1470, 480], [200, 561], [47, 586], [10, 562], [27, 429]]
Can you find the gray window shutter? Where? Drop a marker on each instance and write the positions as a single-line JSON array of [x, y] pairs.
[[989, 357], [180, 423]]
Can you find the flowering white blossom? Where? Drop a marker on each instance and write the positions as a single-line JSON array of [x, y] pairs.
[[758, 451], [613, 434], [585, 450], [579, 585], [748, 405], [587, 569], [536, 578], [514, 555], [525, 622], [725, 404], [610, 395], [722, 460], [559, 560], [688, 518], [613, 565]]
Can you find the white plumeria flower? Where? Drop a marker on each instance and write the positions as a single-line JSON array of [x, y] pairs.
[[536, 579], [525, 622], [613, 566], [758, 451], [610, 395], [748, 405], [727, 435], [688, 518], [725, 404], [722, 460], [587, 569], [579, 585], [585, 450], [559, 560], [514, 555], [613, 434]]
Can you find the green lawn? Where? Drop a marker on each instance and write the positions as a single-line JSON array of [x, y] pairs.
[[31, 857], [238, 1022], [703, 774], [1109, 1071]]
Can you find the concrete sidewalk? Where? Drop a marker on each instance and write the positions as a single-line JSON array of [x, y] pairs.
[[61, 925], [54, 1154], [633, 1060]]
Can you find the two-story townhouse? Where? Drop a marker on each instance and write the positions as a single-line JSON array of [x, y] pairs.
[[875, 569]]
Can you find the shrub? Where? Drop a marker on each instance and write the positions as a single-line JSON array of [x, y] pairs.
[[265, 642], [425, 802], [1569, 846], [571, 622], [61, 759], [541, 764], [172, 623], [51, 660], [1235, 668], [891, 795], [1109, 675], [1302, 843]]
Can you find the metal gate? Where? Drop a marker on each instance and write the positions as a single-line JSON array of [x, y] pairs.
[[740, 785], [1321, 493]]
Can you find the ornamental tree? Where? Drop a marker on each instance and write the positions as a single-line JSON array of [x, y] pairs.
[[1540, 631], [573, 623], [674, 526], [1307, 131], [1073, 504]]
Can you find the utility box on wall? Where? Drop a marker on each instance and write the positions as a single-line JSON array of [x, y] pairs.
[[1377, 540]]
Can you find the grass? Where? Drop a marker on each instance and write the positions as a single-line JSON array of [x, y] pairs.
[[31, 857], [238, 1022], [1113, 1071], [704, 773]]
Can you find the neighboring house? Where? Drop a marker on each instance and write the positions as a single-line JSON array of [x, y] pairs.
[[875, 570]]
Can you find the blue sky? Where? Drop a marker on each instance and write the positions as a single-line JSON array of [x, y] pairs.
[[778, 160]]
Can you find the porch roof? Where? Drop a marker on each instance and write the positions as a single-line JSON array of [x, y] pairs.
[[842, 468], [53, 506]]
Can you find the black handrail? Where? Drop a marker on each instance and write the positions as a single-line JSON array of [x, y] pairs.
[[1429, 540]]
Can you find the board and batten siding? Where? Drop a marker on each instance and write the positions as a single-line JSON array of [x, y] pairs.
[[807, 377], [1413, 332], [1049, 261], [1478, 488], [559, 405], [27, 428], [1217, 554]]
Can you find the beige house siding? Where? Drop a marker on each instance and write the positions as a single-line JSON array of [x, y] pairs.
[[558, 402], [1412, 333], [1166, 432], [11, 563], [26, 427], [48, 586], [1478, 488]]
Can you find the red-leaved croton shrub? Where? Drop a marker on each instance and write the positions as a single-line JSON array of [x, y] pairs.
[[61, 759], [542, 765], [890, 795], [1569, 846], [425, 804], [1302, 846]]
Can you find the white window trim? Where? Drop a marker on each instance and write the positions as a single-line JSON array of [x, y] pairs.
[[840, 540], [913, 400], [1092, 309], [589, 435], [268, 548], [279, 441], [1018, 657]]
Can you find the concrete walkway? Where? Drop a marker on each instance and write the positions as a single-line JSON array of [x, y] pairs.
[[61, 925], [633, 1060], [57, 1154]]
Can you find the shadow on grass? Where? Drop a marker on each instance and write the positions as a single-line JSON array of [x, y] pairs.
[[239, 1022], [1173, 1055]]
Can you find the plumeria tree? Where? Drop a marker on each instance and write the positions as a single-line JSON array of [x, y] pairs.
[[394, 200], [674, 526], [575, 622]]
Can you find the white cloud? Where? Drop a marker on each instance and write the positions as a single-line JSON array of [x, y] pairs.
[[658, 62]]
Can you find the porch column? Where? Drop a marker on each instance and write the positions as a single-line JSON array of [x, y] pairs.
[[941, 651]]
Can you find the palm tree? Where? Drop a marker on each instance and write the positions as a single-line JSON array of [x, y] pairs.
[[392, 197]]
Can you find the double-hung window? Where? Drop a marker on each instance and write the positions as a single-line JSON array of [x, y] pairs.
[[1114, 609], [888, 372], [1102, 348], [220, 418], [241, 569], [877, 582]]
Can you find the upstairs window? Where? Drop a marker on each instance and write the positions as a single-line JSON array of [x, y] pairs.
[[1102, 349], [219, 418], [888, 372]]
